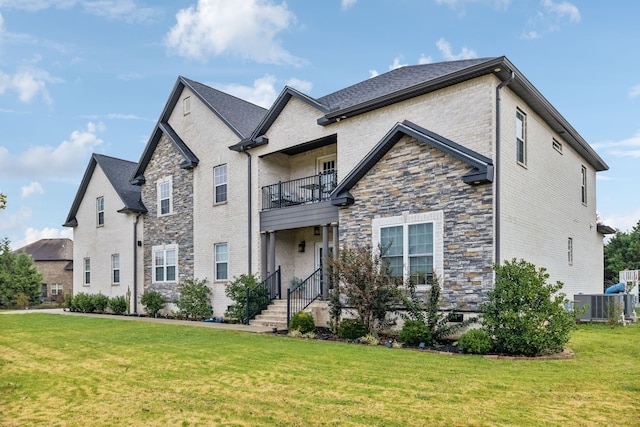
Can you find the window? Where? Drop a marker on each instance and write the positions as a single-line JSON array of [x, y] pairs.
[[165, 190], [186, 105], [43, 291], [87, 271], [557, 146], [411, 244], [220, 184], [570, 250], [221, 253], [56, 289], [165, 263], [584, 185], [521, 138], [100, 211], [115, 269]]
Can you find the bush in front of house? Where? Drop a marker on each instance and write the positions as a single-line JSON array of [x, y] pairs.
[[303, 322], [118, 304], [153, 302], [351, 329], [100, 302], [82, 302], [414, 332], [237, 292], [475, 341], [195, 299], [524, 314]]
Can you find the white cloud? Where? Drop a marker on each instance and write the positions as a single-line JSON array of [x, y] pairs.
[[459, 4], [67, 159], [629, 147], [121, 10], [33, 188], [33, 235], [634, 92], [562, 10], [622, 222], [445, 48], [302, 85], [373, 73], [346, 4], [397, 63], [245, 28], [262, 93], [425, 59], [28, 84], [36, 5]]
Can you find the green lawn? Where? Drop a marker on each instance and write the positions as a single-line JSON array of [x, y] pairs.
[[71, 370]]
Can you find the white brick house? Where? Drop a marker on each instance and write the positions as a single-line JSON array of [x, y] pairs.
[[457, 164]]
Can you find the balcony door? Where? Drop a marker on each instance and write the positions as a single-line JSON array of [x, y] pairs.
[[326, 167]]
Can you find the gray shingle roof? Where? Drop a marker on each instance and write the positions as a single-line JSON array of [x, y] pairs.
[[242, 115], [49, 250], [118, 172], [394, 81]]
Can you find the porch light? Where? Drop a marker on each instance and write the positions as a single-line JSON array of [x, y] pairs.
[[301, 246], [316, 231]]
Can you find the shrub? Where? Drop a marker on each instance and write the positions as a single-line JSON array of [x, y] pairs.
[[439, 325], [364, 282], [83, 302], [153, 302], [22, 300], [350, 329], [370, 339], [475, 341], [303, 322], [100, 302], [524, 314], [194, 301], [414, 332], [237, 292], [118, 305]]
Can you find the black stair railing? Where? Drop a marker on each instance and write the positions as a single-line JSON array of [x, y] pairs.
[[259, 297], [304, 293]]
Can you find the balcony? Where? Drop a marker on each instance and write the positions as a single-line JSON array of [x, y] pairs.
[[302, 191]]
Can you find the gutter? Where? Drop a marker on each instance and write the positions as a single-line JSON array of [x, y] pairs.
[[135, 264], [497, 165], [249, 232]]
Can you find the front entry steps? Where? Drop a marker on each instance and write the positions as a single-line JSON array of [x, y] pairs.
[[275, 315]]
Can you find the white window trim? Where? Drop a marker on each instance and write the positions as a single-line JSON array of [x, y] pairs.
[[165, 180], [524, 138], [164, 248], [86, 270], [186, 105], [406, 219], [557, 145], [114, 268], [215, 261], [584, 195], [570, 250], [99, 211], [217, 184], [56, 289]]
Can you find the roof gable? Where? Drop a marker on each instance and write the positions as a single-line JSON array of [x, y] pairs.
[[239, 115], [481, 167], [117, 172]]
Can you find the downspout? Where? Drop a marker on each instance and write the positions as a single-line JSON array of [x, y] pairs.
[[135, 264], [497, 166], [244, 150]]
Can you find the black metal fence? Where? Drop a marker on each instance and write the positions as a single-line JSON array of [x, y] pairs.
[[311, 189], [303, 294], [260, 297]]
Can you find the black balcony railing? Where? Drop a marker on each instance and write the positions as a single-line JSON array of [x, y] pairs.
[[311, 189]]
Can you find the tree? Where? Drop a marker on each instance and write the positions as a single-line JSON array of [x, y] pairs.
[[364, 282], [3, 201], [18, 275], [195, 300], [524, 314], [622, 251]]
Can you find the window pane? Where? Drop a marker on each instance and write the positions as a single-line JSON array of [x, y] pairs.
[[395, 265], [171, 257], [158, 259], [116, 276], [159, 274], [391, 241], [421, 239], [221, 193], [221, 271], [164, 190], [221, 253], [171, 273], [421, 264], [164, 206]]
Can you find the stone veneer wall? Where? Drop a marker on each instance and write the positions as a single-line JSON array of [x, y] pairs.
[[176, 228], [415, 177]]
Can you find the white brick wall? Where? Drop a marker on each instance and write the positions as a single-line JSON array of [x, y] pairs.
[[99, 243]]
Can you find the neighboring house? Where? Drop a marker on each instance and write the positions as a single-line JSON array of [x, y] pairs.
[[53, 258], [453, 165], [106, 217]]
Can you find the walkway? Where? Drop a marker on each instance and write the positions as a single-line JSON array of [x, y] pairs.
[[229, 326]]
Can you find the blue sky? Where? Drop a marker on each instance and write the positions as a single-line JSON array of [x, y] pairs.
[[83, 76]]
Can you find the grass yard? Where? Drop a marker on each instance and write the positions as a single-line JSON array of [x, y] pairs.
[[76, 371]]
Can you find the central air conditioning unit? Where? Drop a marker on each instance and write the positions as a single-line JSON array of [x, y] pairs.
[[600, 307]]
